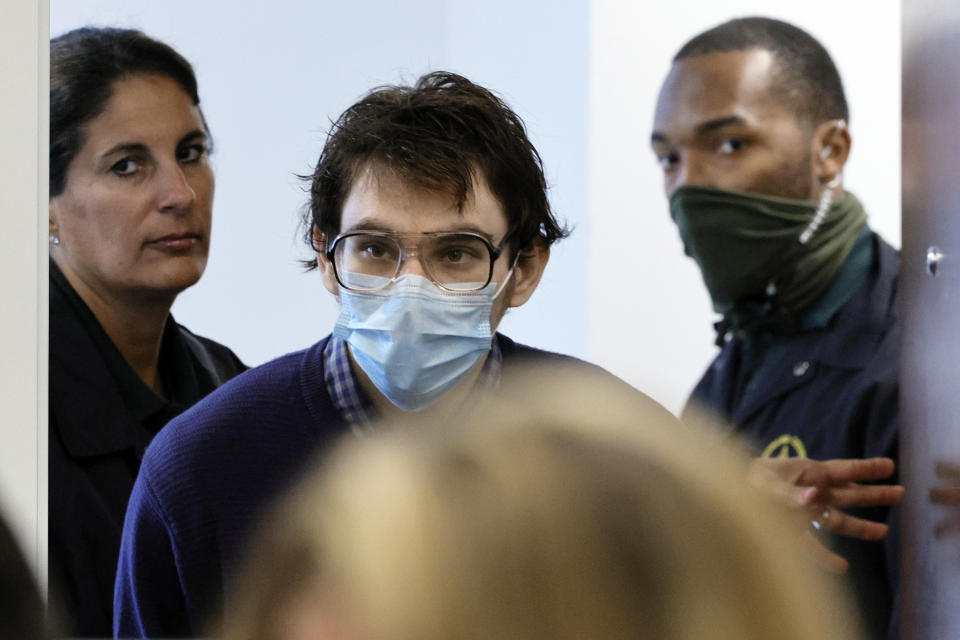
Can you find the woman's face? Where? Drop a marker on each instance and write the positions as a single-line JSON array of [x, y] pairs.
[[134, 217]]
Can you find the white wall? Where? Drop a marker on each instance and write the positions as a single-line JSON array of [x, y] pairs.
[[650, 317], [273, 75], [23, 278]]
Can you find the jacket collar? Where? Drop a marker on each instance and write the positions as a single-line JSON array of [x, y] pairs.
[[96, 400], [865, 319], [848, 343], [86, 407]]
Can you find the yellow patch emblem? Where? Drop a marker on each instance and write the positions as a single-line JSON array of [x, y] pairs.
[[786, 446]]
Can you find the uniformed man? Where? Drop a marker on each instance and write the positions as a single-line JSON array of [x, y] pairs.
[[752, 132]]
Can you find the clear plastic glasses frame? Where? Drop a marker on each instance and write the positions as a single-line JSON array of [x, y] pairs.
[[456, 261]]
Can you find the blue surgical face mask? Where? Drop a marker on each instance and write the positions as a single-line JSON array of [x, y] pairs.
[[413, 340]]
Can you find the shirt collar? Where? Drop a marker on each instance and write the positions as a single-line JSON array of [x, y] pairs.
[[342, 385], [854, 271], [355, 407], [174, 366]]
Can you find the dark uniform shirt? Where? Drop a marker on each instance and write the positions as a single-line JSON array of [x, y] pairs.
[[102, 417], [827, 390]]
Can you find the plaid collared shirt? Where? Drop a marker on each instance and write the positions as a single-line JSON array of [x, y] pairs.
[[351, 402]]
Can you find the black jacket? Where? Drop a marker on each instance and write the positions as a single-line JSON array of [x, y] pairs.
[[835, 397], [102, 416]]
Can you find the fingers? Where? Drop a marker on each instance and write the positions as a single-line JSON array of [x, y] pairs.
[[804, 471], [816, 501], [839, 472], [949, 496], [820, 489], [948, 470], [823, 556], [771, 484], [764, 477], [761, 472], [844, 524], [785, 469], [947, 527], [869, 495], [841, 524]]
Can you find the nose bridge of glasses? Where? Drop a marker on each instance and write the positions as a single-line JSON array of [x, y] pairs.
[[427, 255], [411, 249]]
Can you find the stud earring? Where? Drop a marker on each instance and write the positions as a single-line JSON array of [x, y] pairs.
[[54, 239]]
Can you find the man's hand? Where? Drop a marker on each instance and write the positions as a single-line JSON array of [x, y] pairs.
[[947, 494], [818, 489]]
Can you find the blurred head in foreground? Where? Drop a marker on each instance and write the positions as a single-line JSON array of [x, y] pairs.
[[574, 509], [21, 608]]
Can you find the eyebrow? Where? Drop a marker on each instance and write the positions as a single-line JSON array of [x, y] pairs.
[[704, 127], [125, 147], [139, 147], [719, 123], [372, 224], [196, 133]]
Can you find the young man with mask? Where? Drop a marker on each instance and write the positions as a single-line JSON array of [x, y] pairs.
[[751, 130], [429, 216]]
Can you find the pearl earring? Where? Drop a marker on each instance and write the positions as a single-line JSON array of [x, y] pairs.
[[54, 239]]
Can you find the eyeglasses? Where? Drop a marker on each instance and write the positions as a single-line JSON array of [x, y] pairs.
[[370, 260]]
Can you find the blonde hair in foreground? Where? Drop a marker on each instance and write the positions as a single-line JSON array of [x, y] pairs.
[[570, 508]]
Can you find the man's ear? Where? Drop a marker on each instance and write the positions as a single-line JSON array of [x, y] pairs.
[[323, 264], [831, 148], [527, 272]]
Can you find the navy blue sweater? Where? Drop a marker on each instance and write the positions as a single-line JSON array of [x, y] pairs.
[[207, 477]]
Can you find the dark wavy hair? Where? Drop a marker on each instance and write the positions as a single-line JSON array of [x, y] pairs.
[[437, 135], [84, 66], [806, 78]]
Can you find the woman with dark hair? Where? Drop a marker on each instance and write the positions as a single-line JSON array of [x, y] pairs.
[[131, 192]]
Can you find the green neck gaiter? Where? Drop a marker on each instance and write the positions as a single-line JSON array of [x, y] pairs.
[[764, 257]]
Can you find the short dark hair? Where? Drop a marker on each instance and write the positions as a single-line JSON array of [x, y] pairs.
[[84, 65], [806, 75], [436, 134]]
